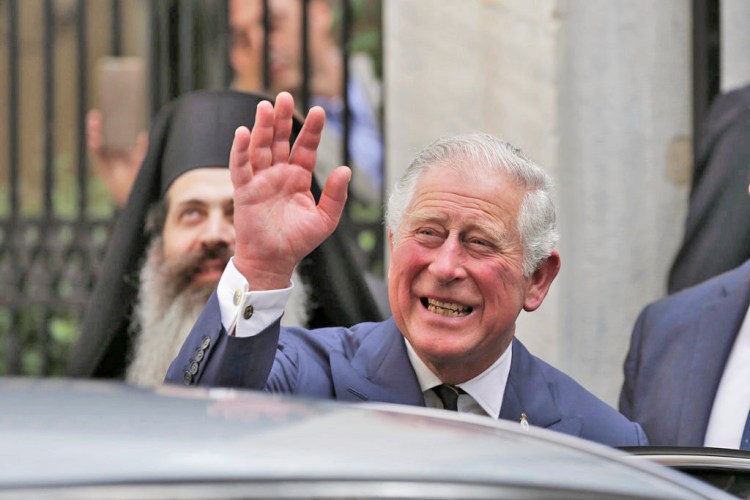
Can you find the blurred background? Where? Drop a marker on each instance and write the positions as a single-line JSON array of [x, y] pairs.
[[606, 95]]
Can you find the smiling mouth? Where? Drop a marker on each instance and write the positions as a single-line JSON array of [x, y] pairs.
[[450, 309]]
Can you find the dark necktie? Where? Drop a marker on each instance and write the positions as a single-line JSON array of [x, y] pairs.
[[745, 443], [448, 394]]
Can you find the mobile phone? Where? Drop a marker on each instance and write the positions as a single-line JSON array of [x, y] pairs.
[[121, 101]]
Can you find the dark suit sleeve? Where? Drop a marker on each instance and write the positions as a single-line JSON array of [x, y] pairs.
[[632, 362], [211, 357]]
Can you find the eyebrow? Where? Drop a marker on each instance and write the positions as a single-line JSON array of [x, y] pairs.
[[198, 202], [191, 201]]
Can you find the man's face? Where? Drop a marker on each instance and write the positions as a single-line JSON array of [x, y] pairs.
[[285, 40], [285, 44], [246, 51], [455, 281], [199, 230]]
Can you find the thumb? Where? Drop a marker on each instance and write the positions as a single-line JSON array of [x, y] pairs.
[[333, 197]]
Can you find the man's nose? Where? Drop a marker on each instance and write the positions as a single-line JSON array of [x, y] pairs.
[[448, 261], [218, 229]]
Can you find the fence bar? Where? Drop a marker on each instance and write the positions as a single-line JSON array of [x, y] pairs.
[[266, 47], [14, 98], [224, 43], [305, 91], [186, 41], [12, 358], [346, 32], [116, 28], [49, 105], [48, 215], [82, 92]]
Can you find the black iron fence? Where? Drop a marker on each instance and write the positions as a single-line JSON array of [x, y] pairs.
[[55, 216]]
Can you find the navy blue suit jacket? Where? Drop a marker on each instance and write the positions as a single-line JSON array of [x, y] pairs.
[[677, 354], [369, 362]]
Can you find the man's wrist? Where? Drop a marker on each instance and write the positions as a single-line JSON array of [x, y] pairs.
[[244, 310], [264, 275]]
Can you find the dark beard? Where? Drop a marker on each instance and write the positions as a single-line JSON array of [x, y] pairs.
[[177, 275], [169, 303]]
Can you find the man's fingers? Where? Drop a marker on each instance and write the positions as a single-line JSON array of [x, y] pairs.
[[240, 169], [333, 197], [305, 150], [282, 128], [94, 130], [261, 137]]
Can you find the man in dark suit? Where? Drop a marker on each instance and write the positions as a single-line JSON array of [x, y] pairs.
[[472, 234], [687, 372], [717, 232]]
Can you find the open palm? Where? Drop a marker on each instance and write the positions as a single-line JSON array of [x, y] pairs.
[[276, 219]]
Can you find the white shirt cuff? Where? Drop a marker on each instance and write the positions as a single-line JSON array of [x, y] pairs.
[[245, 313]]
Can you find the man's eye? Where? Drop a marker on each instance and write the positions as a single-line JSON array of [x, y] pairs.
[[481, 243], [427, 233], [190, 214]]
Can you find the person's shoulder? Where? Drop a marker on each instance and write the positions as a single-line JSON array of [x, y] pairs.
[[600, 422], [571, 395], [568, 392], [736, 97], [727, 109], [684, 301]]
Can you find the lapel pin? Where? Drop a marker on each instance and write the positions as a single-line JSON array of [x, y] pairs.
[[524, 422]]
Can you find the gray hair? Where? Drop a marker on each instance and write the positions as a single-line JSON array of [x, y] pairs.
[[487, 155]]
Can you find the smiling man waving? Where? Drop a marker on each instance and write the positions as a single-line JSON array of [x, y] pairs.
[[472, 230]]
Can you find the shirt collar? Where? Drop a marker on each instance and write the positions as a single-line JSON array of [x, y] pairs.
[[487, 388]]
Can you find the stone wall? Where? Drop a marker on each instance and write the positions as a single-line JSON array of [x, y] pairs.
[[599, 94]]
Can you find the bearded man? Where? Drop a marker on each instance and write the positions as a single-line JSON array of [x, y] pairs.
[[155, 282]]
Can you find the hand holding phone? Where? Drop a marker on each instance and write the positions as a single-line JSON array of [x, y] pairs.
[[115, 131], [121, 102]]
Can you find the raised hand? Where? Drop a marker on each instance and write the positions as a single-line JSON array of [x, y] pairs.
[[277, 222], [117, 169]]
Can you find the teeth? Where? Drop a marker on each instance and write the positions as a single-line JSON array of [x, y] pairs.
[[447, 308]]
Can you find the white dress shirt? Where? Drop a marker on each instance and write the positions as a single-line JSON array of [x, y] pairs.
[[235, 297], [732, 402], [483, 394]]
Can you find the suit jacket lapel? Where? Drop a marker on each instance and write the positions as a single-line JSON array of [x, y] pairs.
[[528, 392], [379, 371], [712, 339]]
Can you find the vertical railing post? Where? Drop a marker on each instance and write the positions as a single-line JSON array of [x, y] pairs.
[[266, 47], [116, 27], [186, 45], [48, 218], [346, 31], [82, 90], [11, 236], [305, 91]]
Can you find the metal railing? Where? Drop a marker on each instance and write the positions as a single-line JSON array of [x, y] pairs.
[[55, 218]]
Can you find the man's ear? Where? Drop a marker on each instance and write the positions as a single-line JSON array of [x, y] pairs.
[[540, 281]]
